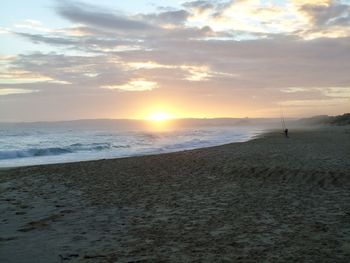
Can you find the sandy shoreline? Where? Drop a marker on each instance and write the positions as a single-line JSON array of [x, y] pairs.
[[270, 199]]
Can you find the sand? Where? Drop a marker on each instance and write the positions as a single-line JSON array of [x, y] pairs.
[[271, 199]]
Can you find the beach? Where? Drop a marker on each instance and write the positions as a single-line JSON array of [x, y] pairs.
[[271, 199]]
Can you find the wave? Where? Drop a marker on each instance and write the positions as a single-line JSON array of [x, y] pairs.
[[77, 147], [187, 145], [90, 147], [95, 146], [32, 153]]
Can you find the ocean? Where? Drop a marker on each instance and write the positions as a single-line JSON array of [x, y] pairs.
[[44, 143]]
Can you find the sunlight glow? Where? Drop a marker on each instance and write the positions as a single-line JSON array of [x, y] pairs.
[[159, 116]]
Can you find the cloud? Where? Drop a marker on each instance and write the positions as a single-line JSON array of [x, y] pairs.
[[4, 30], [327, 15], [17, 75], [332, 92], [279, 62], [323, 18], [33, 25], [315, 98], [88, 44], [293, 90], [306, 19], [11, 91], [134, 85], [168, 18], [199, 6], [38, 38], [338, 92], [82, 13], [313, 103]]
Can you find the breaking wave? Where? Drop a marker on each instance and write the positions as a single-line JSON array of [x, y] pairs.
[[12, 154], [73, 148]]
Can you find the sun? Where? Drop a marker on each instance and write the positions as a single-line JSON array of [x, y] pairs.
[[159, 116]]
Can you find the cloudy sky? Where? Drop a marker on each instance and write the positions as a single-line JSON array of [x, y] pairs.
[[64, 60]]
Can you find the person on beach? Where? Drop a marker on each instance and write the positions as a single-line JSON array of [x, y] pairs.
[[286, 133]]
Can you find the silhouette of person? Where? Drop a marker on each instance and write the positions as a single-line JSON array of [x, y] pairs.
[[286, 133]]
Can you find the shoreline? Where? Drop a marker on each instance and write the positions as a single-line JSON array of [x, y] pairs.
[[141, 155], [270, 198]]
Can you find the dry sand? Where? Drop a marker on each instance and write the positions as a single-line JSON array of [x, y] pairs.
[[271, 199]]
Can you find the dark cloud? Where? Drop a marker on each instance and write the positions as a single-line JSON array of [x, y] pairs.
[[200, 6], [38, 38], [81, 13], [328, 15], [177, 17], [138, 27], [89, 43]]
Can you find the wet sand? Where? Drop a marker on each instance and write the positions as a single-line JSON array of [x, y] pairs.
[[271, 199]]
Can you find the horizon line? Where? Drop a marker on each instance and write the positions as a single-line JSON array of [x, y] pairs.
[[147, 120]]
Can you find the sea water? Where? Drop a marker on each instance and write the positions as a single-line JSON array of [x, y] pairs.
[[22, 145]]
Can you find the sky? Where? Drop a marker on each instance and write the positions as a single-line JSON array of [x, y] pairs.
[[65, 60]]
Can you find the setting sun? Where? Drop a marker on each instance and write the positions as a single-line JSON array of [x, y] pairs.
[[159, 116]]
